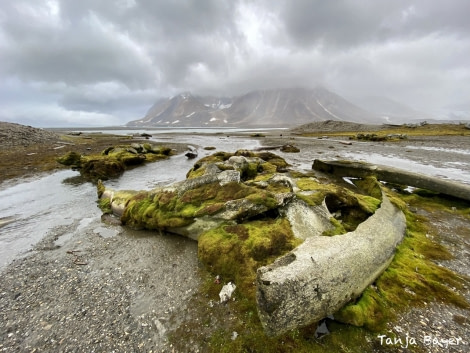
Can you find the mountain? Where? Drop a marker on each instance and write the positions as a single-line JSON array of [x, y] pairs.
[[273, 108], [391, 110], [185, 110]]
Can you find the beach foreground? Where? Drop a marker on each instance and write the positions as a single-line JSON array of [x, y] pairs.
[[114, 289]]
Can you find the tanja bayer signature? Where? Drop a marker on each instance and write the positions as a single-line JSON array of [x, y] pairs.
[[426, 340]]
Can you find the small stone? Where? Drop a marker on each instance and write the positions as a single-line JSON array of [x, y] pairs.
[[226, 292]]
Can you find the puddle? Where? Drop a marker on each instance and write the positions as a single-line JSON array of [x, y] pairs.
[[105, 232]]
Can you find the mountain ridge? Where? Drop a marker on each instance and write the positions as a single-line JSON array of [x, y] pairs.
[[285, 107]]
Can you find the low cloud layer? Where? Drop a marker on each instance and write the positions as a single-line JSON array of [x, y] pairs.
[[67, 62]]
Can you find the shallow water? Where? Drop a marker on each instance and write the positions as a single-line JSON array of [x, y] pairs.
[[37, 206], [31, 209]]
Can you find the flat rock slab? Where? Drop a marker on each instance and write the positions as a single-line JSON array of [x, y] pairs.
[[324, 273]]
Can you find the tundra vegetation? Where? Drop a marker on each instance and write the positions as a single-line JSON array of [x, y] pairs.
[[235, 247], [392, 132]]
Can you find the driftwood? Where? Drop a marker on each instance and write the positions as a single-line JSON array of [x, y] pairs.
[[393, 175]]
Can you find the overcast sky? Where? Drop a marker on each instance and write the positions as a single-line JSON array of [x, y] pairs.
[[105, 62]]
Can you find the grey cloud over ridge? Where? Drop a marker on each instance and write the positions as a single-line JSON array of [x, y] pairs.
[[106, 62]]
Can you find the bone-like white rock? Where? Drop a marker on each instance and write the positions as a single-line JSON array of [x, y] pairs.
[[324, 273]]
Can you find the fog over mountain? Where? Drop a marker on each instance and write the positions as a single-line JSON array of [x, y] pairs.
[[392, 111], [84, 63], [270, 108]]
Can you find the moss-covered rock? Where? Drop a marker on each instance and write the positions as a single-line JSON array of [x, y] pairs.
[[114, 160], [235, 251], [251, 165], [70, 159], [180, 205], [348, 208]]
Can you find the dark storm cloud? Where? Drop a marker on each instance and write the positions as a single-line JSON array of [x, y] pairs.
[[348, 23], [87, 51], [107, 61]]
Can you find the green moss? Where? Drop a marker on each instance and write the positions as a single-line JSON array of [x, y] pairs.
[[164, 209], [235, 251], [162, 150], [100, 188], [320, 191], [348, 207], [308, 184], [70, 159], [368, 203], [268, 168], [113, 161], [370, 186], [95, 168], [105, 206], [274, 159], [250, 171], [337, 230], [411, 279], [143, 212]]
